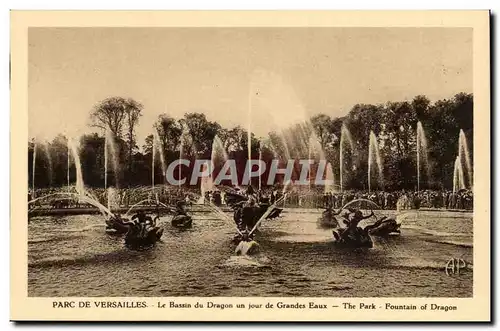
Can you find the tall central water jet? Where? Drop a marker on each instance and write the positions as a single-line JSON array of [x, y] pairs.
[[373, 151], [218, 157], [315, 152], [110, 152], [330, 183], [421, 150], [345, 137], [185, 147], [157, 143], [78, 166], [463, 153]]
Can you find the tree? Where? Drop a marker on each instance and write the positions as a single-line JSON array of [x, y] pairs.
[[117, 114], [323, 128], [133, 113], [58, 151], [110, 114], [169, 132], [92, 158], [201, 131], [393, 123], [236, 139]]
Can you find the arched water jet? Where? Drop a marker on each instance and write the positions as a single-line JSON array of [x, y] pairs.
[[83, 198], [373, 151], [127, 213]]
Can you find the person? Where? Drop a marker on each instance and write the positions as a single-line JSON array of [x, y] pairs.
[[332, 199]]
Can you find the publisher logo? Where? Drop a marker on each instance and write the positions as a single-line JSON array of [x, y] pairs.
[[453, 266]]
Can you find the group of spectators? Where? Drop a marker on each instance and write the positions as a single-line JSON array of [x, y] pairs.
[[296, 197], [462, 199]]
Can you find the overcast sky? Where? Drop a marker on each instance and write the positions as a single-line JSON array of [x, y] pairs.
[[282, 74]]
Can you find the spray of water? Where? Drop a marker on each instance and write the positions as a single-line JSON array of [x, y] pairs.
[[464, 153], [330, 183], [219, 155], [185, 144], [458, 175], [374, 155], [422, 154], [49, 161], [315, 152], [159, 146], [345, 138], [110, 152], [73, 147]]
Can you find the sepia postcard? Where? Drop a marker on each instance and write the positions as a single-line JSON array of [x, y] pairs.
[[250, 166]]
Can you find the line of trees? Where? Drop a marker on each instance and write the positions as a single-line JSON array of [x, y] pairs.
[[393, 123]]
